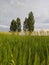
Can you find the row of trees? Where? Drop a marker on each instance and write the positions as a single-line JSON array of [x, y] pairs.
[[27, 25], [15, 25]]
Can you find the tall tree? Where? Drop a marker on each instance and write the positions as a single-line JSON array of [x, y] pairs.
[[13, 25], [31, 22], [18, 25], [25, 25]]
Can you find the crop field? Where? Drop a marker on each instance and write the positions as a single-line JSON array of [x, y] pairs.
[[24, 50]]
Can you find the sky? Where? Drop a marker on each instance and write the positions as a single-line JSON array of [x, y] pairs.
[[11, 9]]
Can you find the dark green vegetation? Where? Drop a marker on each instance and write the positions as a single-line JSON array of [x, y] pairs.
[[15, 25], [24, 50], [27, 25]]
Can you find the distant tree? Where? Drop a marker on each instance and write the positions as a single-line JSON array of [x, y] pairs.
[[18, 25], [13, 25], [25, 25], [31, 22]]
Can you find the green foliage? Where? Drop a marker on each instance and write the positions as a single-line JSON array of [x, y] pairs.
[[25, 25], [18, 25], [29, 22], [24, 50], [13, 25], [37, 59]]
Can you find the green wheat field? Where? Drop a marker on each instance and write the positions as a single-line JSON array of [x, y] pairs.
[[24, 50]]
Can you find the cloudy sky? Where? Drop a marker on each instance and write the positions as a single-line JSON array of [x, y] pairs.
[[11, 9]]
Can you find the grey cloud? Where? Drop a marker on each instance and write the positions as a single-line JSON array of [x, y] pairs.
[[41, 26], [4, 29]]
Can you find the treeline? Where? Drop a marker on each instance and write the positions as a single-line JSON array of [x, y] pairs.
[[27, 25]]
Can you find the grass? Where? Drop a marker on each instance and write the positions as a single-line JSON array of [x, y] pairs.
[[24, 50]]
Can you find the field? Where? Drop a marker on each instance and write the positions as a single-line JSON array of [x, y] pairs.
[[24, 50]]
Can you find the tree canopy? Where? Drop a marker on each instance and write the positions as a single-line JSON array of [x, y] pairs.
[[29, 22], [18, 25], [15, 25], [27, 25]]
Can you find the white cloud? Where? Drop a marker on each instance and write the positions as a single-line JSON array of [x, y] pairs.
[[4, 26], [16, 3], [20, 3], [42, 26]]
